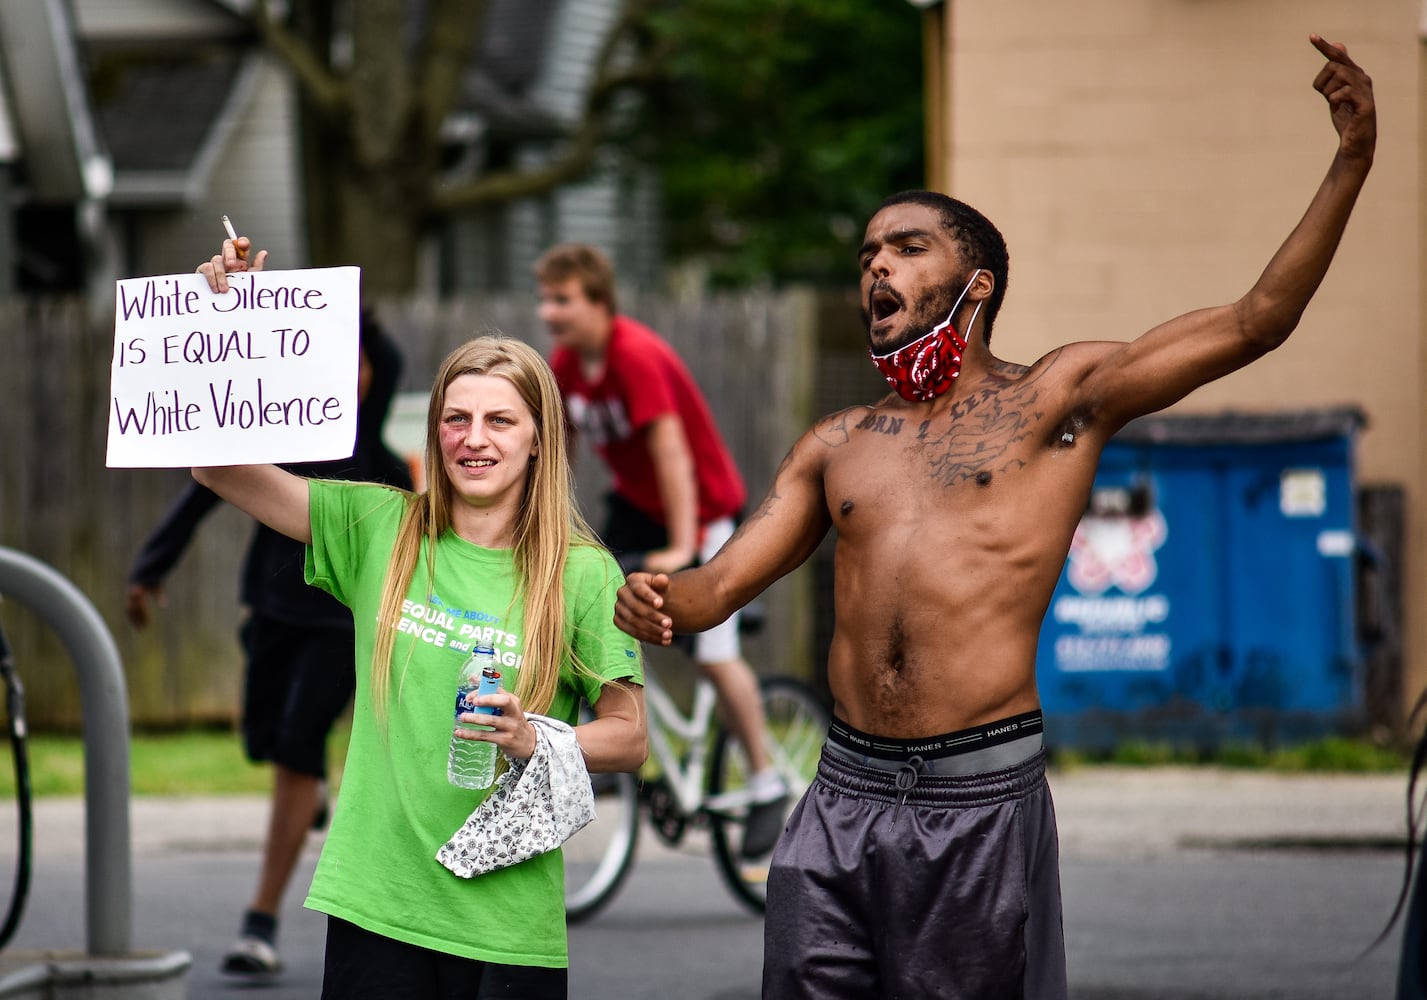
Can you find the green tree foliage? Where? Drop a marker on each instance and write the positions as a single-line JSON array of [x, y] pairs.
[[781, 126]]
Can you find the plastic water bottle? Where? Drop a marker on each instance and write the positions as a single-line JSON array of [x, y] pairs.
[[471, 763]]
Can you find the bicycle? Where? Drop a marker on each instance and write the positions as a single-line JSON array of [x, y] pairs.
[[687, 749]]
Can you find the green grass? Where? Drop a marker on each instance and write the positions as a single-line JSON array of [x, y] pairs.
[[211, 762], [195, 762], [1332, 754]]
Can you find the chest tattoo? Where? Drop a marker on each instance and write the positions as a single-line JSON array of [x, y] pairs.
[[983, 434], [880, 423]]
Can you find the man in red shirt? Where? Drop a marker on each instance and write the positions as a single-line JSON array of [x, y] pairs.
[[676, 490]]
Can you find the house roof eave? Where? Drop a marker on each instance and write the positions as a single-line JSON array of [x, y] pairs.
[[62, 153]]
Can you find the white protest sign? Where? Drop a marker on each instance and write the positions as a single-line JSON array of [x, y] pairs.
[[266, 372]]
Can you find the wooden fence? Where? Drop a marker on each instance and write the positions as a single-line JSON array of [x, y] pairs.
[[767, 362]]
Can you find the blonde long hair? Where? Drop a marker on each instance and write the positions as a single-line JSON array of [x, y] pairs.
[[547, 523]]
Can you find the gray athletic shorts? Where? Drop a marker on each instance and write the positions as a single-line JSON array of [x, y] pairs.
[[904, 885]]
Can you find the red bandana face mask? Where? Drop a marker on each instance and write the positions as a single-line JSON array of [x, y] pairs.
[[925, 368]]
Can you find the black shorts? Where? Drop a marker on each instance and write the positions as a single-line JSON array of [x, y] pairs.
[[361, 965], [298, 681], [888, 886], [629, 532]]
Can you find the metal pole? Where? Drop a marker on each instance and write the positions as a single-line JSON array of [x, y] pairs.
[[108, 876]]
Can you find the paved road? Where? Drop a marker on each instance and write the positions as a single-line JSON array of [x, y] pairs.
[[1180, 884]]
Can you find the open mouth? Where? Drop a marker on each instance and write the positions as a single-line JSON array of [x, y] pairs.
[[883, 304], [477, 463]]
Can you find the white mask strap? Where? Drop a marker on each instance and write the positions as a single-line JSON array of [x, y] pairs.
[[946, 322]]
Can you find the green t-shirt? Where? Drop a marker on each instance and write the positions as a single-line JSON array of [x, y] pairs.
[[378, 868]]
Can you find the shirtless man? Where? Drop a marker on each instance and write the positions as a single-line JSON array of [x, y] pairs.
[[923, 861]]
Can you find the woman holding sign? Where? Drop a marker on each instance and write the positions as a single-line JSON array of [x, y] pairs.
[[493, 552], [291, 635]]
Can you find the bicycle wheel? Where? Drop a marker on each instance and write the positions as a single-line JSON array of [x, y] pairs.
[[797, 727], [599, 857]]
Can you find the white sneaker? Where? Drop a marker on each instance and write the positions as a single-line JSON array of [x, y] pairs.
[[767, 786], [765, 821], [251, 956], [764, 787]]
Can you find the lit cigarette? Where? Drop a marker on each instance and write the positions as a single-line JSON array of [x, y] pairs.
[[232, 235]]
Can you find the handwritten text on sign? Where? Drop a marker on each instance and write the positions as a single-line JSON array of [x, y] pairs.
[[266, 372]]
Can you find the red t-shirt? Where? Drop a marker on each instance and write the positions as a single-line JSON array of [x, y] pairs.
[[644, 379]]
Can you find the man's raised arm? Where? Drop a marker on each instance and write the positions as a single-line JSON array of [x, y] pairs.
[[1168, 362], [1279, 297]]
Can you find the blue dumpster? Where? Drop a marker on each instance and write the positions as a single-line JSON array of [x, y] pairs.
[[1208, 594]]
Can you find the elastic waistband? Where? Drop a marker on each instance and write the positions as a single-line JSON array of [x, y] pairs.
[[911, 783], [962, 741]]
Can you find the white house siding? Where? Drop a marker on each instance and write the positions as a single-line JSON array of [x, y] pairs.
[[589, 212], [152, 20], [578, 30], [613, 208], [255, 182], [640, 237]]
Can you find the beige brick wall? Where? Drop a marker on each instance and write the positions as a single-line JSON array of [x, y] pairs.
[[1146, 157]]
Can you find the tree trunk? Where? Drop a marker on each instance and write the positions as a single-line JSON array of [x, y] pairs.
[[372, 216], [367, 167]]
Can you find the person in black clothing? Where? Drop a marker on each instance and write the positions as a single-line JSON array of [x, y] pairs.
[[1412, 962], [298, 645], [1412, 899]]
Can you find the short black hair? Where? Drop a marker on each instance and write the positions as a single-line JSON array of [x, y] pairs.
[[980, 241]]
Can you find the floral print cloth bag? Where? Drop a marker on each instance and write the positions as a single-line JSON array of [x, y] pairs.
[[535, 807]]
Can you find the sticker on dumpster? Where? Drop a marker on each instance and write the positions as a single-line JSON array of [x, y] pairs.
[[1336, 544], [1116, 551], [1302, 493], [1114, 631], [1082, 653]]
